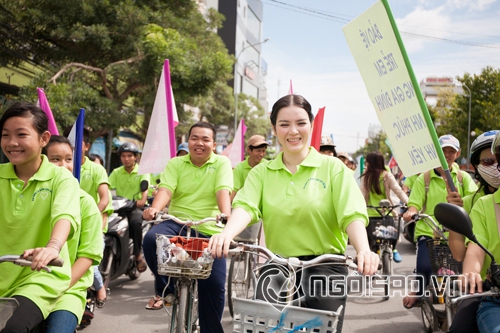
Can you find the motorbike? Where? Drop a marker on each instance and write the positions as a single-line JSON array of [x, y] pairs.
[[118, 257]]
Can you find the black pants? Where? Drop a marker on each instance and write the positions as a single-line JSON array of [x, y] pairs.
[[135, 225], [313, 282], [465, 319], [25, 318]]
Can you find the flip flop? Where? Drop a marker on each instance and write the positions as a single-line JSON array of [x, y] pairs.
[[155, 303], [417, 304], [142, 266], [100, 303]]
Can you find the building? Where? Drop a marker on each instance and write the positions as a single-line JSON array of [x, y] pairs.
[[432, 86], [242, 35]]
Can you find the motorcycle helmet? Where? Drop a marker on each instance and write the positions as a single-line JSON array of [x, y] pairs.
[[495, 146], [128, 147], [483, 141]]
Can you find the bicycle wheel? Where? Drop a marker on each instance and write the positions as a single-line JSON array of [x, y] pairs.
[[386, 272], [240, 282], [182, 310]]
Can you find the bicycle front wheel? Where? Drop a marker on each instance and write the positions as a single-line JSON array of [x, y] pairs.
[[386, 272], [240, 282]]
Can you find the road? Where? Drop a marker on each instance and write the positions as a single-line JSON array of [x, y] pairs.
[[125, 312]]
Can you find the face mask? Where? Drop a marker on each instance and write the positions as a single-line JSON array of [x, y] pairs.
[[490, 174]]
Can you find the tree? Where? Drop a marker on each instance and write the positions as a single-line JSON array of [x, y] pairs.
[[255, 117], [106, 56], [485, 107]]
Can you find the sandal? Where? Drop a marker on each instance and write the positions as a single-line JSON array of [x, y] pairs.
[[141, 265], [155, 303], [100, 303], [416, 304]]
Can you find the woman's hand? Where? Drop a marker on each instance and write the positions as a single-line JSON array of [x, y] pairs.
[[454, 198], [149, 214], [367, 262], [219, 245], [473, 281], [407, 216], [41, 256]]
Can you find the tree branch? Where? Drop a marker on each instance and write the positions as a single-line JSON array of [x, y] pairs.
[[128, 90], [125, 61]]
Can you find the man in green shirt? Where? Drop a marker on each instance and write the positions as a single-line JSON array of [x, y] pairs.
[[256, 150], [126, 181]]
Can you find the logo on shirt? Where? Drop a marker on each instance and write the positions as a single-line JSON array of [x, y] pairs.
[[210, 169], [43, 193], [314, 182]]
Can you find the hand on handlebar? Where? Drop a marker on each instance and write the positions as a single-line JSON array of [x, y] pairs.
[[455, 198], [472, 282], [41, 257], [367, 262], [219, 245], [408, 215], [149, 214]]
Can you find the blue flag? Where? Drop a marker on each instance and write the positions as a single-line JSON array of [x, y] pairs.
[[76, 138]]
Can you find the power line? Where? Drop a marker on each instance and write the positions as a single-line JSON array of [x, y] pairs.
[[337, 18]]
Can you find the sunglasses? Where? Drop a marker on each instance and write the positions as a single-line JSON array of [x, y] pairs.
[[487, 161]]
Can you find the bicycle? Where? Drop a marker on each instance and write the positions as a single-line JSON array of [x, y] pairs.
[[9, 305], [385, 230], [436, 307], [187, 264], [240, 282], [252, 315]]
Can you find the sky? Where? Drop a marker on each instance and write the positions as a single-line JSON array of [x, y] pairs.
[[307, 46]]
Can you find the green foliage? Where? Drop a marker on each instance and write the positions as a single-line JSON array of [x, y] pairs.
[[255, 117]]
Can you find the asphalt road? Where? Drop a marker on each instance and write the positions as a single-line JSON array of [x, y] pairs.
[[125, 312]]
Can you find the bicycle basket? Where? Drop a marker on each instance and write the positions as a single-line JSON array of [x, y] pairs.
[[442, 261], [383, 227], [256, 316], [181, 257]]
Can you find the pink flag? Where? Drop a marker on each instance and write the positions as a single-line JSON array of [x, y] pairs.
[[43, 103], [290, 90], [236, 150], [160, 144]]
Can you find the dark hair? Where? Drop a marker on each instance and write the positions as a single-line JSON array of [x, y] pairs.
[[264, 145], [291, 100], [27, 110], [86, 133], [56, 139], [94, 157], [328, 148], [203, 124], [376, 165]]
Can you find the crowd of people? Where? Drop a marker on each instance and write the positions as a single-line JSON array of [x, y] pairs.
[[295, 197]]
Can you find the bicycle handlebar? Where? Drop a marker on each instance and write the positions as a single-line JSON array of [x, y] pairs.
[[432, 224], [493, 292], [19, 260], [346, 260], [189, 223]]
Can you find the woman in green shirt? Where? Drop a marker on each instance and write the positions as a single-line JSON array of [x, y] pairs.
[[309, 204]]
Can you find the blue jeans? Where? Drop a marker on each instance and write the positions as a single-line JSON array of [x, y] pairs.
[[211, 292], [488, 315], [61, 321], [98, 282], [424, 269]]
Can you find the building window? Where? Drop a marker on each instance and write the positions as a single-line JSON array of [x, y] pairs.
[[253, 24]]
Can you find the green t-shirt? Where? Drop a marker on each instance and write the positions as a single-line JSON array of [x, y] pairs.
[[471, 199], [409, 181], [194, 188], [375, 198], [127, 185], [27, 219], [92, 175], [85, 244], [437, 193], [240, 173], [305, 213], [485, 226]]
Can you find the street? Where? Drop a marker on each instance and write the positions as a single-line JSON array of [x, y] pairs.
[[125, 312]]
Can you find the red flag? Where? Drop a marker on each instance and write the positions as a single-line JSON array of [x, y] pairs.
[[317, 128], [392, 162]]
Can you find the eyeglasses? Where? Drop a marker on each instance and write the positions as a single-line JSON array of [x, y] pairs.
[[487, 161]]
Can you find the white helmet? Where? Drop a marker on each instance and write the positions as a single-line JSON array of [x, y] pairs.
[[483, 141]]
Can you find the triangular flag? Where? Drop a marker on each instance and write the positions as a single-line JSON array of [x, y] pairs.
[[317, 128], [392, 162], [290, 90], [43, 103], [236, 150], [76, 138], [160, 144]]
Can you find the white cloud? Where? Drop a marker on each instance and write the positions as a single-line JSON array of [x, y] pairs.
[[476, 5]]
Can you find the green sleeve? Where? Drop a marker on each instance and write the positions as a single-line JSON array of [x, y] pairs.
[[224, 176], [90, 245], [101, 175], [249, 197], [112, 180], [66, 205], [417, 195], [169, 176], [237, 178], [469, 185]]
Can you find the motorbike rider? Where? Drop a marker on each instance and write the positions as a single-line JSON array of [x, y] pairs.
[[126, 181], [199, 186], [485, 225], [43, 211], [422, 198], [85, 248], [481, 159]]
